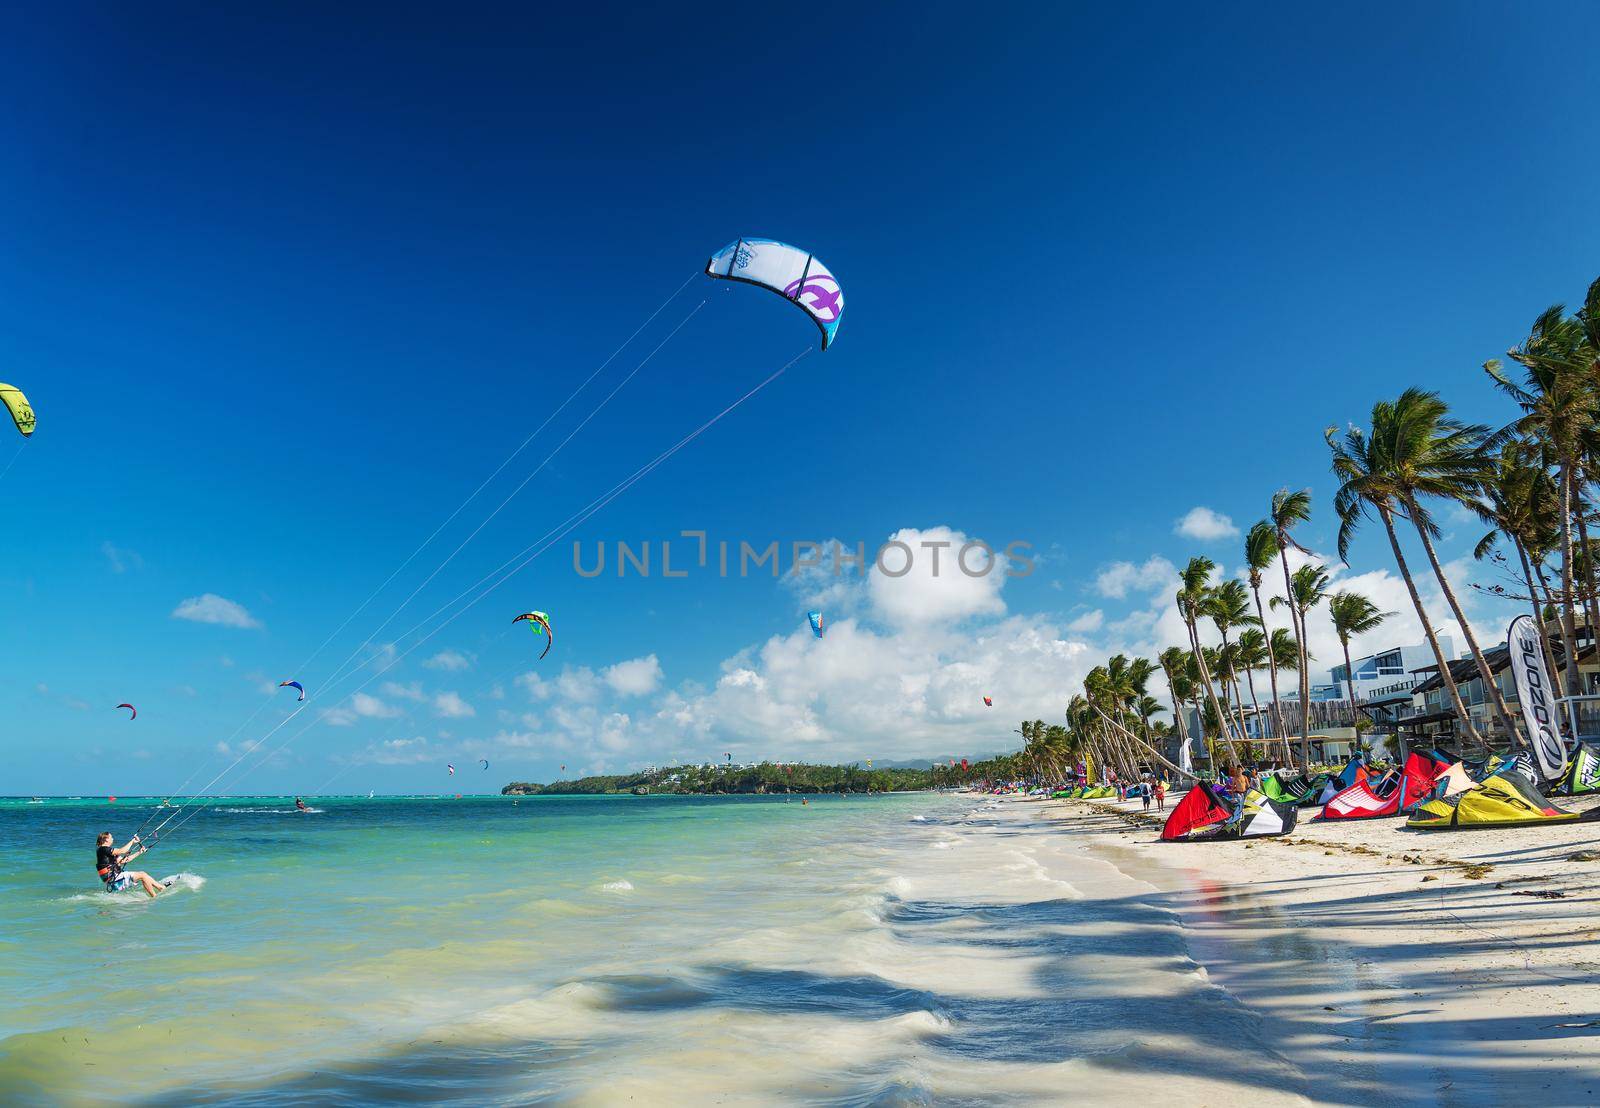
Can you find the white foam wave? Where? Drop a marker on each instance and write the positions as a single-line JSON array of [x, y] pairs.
[[272, 811], [622, 886]]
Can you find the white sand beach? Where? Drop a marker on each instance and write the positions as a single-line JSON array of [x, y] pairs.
[[1389, 966]]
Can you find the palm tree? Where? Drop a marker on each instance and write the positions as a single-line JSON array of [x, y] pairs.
[[1558, 398], [1288, 510], [1228, 607], [1175, 662], [1260, 551], [1353, 614], [1254, 654], [1361, 463], [1519, 501], [1191, 600], [1431, 454], [1307, 586], [1286, 651]]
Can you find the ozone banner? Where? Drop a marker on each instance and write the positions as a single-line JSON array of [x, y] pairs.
[[1537, 696]]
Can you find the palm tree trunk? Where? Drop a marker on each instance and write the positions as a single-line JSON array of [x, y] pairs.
[[1568, 624], [1533, 600], [1177, 718], [1349, 674], [1154, 753], [1297, 625], [1489, 683], [1591, 606], [1211, 692], [1445, 675], [1250, 679], [1272, 666]]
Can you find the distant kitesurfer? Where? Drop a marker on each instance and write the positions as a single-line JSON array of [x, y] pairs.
[[109, 862], [299, 805]]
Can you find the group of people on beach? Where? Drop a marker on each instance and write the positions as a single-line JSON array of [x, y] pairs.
[[1150, 788]]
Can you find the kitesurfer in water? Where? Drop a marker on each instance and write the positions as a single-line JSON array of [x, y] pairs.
[[109, 862], [299, 805]]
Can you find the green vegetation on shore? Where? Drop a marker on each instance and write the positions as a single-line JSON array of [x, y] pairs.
[[768, 777]]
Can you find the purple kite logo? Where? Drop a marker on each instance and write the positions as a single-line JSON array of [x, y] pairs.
[[820, 296]]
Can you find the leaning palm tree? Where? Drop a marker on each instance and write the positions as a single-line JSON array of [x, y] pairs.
[[1308, 585], [1353, 614], [1260, 551], [1518, 501], [1287, 511], [1430, 454], [1361, 463]]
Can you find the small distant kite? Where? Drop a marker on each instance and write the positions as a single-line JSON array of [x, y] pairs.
[[21, 411], [485, 762], [451, 768], [869, 763], [133, 713], [541, 626], [988, 702], [563, 768], [729, 757], [294, 685], [816, 623]]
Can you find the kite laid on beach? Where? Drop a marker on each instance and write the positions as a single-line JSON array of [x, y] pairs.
[[541, 626], [792, 273], [21, 411], [816, 623], [133, 713], [294, 685]]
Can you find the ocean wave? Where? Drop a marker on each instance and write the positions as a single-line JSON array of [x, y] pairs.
[[620, 886], [178, 882], [273, 811]]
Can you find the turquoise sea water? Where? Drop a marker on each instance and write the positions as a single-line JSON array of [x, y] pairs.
[[364, 934], [595, 950]]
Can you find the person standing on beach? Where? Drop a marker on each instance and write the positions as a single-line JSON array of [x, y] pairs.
[[1144, 794], [1161, 796]]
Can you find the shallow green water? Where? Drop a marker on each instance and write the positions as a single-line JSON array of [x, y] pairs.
[[340, 936]]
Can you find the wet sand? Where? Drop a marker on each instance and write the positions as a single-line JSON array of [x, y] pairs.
[[1388, 966]]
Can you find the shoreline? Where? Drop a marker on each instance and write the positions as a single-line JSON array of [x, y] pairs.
[[1389, 965]]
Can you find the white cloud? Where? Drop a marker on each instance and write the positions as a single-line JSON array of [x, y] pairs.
[[412, 691], [223, 748], [451, 706], [1118, 579], [933, 588], [451, 661], [635, 677], [397, 752], [1204, 524], [211, 608], [121, 558], [361, 706], [1089, 621]]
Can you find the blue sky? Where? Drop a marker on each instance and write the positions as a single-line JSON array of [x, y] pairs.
[[284, 292]]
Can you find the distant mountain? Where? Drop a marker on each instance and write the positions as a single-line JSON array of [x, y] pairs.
[[940, 760]]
